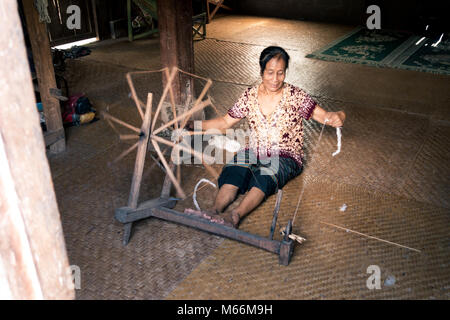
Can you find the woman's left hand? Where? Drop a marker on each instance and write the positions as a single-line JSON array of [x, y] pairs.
[[335, 119]]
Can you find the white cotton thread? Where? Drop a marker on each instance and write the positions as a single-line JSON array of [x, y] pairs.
[[194, 196], [223, 142], [339, 138], [312, 158]]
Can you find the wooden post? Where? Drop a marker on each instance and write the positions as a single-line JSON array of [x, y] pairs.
[[94, 13], [45, 73], [177, 48], [33, 258]]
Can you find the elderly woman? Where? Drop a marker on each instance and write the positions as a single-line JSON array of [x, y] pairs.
[[274, 110]]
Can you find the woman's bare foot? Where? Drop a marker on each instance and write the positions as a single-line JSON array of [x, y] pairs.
[[232, 218], [236, 218], [215, 217], [211, 212], [207, 214], [227, 219]]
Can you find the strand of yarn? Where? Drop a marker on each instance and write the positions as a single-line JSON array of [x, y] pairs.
[[194, 196], [312, 157], [368, 236], [339, 138]]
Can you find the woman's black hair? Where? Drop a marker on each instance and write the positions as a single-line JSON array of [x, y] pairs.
[[271, 52]]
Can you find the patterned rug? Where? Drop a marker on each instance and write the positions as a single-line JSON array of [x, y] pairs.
[[385, 48]]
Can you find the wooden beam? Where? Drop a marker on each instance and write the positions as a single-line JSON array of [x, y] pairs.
[[140, 157], [177, 47], [33, 258], [45, 73], [94, 14]]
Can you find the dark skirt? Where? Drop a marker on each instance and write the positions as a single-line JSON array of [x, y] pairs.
[[245, 171]]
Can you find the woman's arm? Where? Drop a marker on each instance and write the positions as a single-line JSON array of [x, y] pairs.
[[219, 123], [335, 119]]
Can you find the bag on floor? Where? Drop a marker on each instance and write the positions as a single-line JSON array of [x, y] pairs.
[[78, 110]]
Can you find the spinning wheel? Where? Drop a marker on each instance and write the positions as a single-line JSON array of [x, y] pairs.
[[149, 134], [162, 207]]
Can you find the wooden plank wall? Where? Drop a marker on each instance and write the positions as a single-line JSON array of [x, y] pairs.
[[33, 258]]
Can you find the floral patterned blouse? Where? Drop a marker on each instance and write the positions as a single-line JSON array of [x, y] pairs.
[[281, 132]]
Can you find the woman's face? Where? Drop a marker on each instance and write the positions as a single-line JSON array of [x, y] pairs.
[[274, 74]]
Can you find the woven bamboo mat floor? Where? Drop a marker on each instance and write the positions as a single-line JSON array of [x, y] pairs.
[[392, 174], [332, 263]]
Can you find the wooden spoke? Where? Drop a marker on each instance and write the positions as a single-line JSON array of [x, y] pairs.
[[134, 95], [214, 107], [128, 136], [126, 152], [168, 170], [182, 116], [156, 162], [112, 126], [110, 106], [164, 94], [189, 150], [199, 101], [193, 152], [193, 75], [137, 101], [129, 126]]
